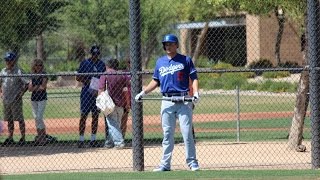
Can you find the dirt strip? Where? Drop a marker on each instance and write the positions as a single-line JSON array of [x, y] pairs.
[[71, 125]]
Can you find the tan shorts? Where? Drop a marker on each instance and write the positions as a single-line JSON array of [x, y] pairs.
[[13, 111]]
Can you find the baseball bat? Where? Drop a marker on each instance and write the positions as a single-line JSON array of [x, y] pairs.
[[173, 99]]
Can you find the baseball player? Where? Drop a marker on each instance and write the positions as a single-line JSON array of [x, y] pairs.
[[172, 73], [89, 94]]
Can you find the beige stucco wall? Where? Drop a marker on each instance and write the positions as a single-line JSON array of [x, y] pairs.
[[290, 43], [253, 38], [261, 34]]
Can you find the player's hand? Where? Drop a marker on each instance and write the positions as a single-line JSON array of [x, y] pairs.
[[139, 96], [196, 97]]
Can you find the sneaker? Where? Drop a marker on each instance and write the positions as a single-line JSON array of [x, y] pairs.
[[119, 146], [160, 169], [8, 142], [81, 144], [108, 145], [40, 141], [194, 167], [51, 139], [94, 144], [22, 142]]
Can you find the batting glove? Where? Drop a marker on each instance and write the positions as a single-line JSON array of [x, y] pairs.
[[139, 96], [196, 97]]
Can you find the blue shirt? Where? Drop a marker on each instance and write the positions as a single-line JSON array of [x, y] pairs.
[[173, 74], [89, 66]]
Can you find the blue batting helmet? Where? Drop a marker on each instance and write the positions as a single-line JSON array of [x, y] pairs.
[[10, 56], [170, 38], [95, 50]]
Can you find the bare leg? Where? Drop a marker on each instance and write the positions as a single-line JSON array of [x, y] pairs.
[[10, 129], [82, 124], [22, 126], [94, 124]]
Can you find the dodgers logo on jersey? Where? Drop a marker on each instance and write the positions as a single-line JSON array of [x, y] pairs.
[[170, 69]]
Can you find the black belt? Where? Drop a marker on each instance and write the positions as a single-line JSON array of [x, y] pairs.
[[175, 94]]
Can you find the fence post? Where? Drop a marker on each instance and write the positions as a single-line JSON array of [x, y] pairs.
[[313, 18], [238, 112], [136, 84]]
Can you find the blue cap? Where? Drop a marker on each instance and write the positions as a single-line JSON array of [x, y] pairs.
[[10, 56], [95, 50]]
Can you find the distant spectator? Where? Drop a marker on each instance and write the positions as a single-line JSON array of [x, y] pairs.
[[11, 91], [89, 94], [116, 85], [38, 87]]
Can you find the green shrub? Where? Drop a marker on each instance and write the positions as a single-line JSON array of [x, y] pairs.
[[272, 86], [290, 64], [248, 74], [222, 65], [216, 83], [231, 80], [203, 80], [64, 66], [277, 74], [260, 64], [249, 86], [203, 62]]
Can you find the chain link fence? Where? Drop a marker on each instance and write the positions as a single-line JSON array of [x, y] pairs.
[[253, 69]]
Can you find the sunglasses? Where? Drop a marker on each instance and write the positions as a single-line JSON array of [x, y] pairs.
[[40, 65]]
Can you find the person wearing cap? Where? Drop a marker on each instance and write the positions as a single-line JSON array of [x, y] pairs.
[[89, 94], [11, 91], [116, 85], [172, 73]]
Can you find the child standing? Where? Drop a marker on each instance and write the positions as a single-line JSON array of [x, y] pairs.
[[11, 91], [38, 87]]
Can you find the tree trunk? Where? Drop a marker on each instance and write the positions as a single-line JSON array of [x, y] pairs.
[[281, 21], [147, 51], [183, 45], [145, 61], [40, 47], [200, 41], [302, 101], [300, 110]]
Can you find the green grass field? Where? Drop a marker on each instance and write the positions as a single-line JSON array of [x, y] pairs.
[[207, 174], [275, 129], [64, 103]]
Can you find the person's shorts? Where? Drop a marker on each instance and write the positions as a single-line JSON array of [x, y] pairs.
[[88, 103], [13, 111]]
